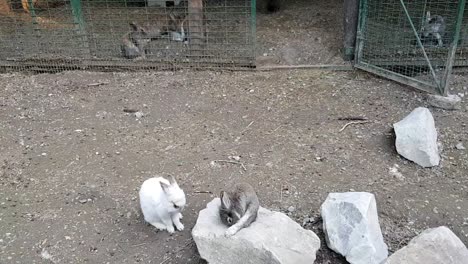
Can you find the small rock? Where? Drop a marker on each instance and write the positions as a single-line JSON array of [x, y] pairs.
[[83, 201], [460, 146], [416, 138], [46, 255], [236, 158], [352, 229], [433, 246], [450, 102], [272, 239], [291, 209], [396, 173], [139, 115], [307, 220]]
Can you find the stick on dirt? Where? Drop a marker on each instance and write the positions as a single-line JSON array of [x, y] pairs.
[[232, 162], [353, 118], [210, 192], [353, 123], [247, 127]]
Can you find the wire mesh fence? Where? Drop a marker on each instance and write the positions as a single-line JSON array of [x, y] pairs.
[[461, 58], [410, 41], [128, 34]]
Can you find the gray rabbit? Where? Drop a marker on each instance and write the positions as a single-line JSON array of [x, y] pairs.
[[433, 30], [239, 208], [135, 42]]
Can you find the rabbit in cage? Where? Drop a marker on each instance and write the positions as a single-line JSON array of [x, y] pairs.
[[433, 30], [268, 6], [162, 3], [136, 41]]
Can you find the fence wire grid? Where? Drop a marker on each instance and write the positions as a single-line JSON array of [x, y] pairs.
[[129, 34], [411, 41]]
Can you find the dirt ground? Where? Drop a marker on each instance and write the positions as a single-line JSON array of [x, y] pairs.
[[302, 32], [72, 160]]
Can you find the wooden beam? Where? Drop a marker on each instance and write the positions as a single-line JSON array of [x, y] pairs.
[[196, 27]]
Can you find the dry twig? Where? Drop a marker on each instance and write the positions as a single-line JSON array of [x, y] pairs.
[[232, 162], [352, 123], [177, 251], [98, 84], [247, 127], [210, 192], [353, 118]]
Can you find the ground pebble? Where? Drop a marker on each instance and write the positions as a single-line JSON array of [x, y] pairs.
[[307, 220], [291, 209], [139, 115], [460, 146]]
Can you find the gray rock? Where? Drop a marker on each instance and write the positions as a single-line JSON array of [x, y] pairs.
[[139, 115], [450, 102], [291, 209], [352, 229], [460, 146], [416, 138], [433, 246], [272, 238]]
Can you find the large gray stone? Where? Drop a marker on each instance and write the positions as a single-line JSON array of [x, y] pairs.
[[352, 229], [272, 238], [433, 246], [449, 102], [416, 138]]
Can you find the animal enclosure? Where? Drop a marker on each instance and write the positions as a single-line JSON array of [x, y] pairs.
[[131, 34], [414, 42]]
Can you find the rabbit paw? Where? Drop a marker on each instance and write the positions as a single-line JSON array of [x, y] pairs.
[[230, 232], [180, 226], [170, 229], [159, 226], [180, 216]]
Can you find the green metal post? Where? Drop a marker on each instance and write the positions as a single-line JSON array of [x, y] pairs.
[[453, 48], [253, 26], [77, 14], [32, 11], [80, 26], [362, 20]]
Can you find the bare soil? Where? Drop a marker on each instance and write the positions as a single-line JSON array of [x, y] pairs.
[[302, 33], [72, 160]]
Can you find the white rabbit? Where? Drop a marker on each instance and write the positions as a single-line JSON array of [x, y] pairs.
[[162, 202]]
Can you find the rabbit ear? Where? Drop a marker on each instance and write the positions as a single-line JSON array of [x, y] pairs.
[[134, 26], [164, 185], [171, 16], [172, 180], [225, 201]]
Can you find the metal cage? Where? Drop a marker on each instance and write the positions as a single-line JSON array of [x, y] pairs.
[[414, 42], [129, 34]]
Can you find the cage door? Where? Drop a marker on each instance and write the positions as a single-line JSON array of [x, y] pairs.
[[411, 42]]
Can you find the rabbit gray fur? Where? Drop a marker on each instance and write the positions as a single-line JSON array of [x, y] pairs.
[[136, 41], [239, 207], [433, 30]]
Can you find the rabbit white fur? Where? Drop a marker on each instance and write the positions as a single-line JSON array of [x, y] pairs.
[[162, 202]]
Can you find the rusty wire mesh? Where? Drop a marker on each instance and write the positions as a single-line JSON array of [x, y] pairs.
[[126, 34]]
